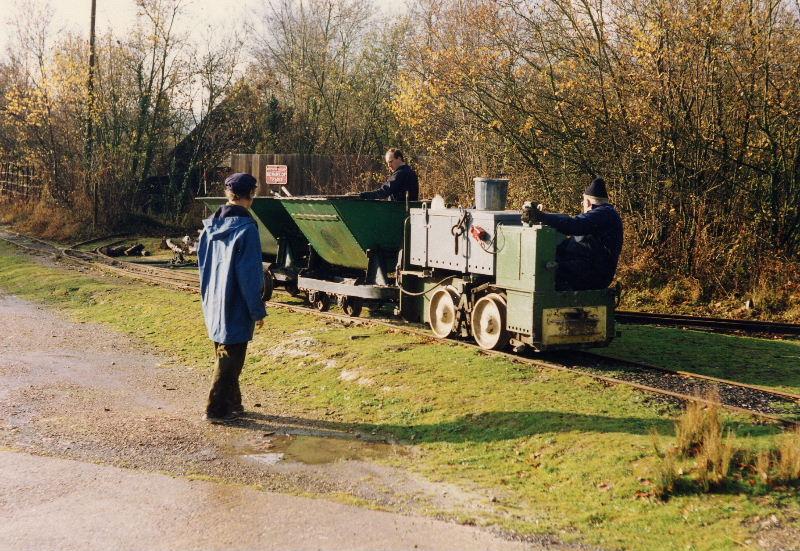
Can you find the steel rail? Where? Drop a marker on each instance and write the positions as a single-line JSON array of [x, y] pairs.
[[411, 329], [131, 270], [719, 324], [690, 374], [169, 273]]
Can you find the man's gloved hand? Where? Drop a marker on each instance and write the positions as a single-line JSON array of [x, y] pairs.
[[531, 213]]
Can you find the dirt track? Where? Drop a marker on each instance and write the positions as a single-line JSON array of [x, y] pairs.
[[98, 401]]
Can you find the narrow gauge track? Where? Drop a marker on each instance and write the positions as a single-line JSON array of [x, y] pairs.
[[150, 274], [712, 324], [767, 404]]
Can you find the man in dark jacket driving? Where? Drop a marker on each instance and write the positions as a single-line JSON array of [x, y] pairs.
[[588, 259], [402, 184]]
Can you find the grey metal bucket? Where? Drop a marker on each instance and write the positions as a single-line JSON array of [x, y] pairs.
[[490, 193]]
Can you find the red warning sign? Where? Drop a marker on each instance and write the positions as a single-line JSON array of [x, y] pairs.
[[277, 175]]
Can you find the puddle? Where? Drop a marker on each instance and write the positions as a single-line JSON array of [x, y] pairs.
[[265, 458], [315, 450]]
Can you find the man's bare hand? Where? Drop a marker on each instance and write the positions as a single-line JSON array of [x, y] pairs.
[[260, 324]]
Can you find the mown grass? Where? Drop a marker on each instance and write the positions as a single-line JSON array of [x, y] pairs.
[[560, 453]]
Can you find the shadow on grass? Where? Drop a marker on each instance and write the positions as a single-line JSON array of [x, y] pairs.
[[483, 427], [739, 482]]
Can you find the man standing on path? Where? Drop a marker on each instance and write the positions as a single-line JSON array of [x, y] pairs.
[[402, 185], [231, 283]]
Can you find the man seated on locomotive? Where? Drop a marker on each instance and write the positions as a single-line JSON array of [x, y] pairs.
[[588, 259], [402, 184]]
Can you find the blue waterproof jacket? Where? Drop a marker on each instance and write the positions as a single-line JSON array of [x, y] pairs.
[[231, 277]]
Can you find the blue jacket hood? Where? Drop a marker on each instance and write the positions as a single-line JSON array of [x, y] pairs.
[[221, 228], [231, 278]]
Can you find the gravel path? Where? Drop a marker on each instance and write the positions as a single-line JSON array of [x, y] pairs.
[[96, 401], [74, 505]]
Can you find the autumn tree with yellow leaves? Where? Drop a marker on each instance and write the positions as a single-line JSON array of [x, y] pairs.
[[688, 108]]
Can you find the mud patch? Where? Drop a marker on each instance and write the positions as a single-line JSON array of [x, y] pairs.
[[264, 458], [313, 450], [298, 347]]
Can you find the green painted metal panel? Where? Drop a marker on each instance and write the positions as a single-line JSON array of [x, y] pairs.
[[574, 299], [342, 229], [272, 215], [530, 285], [269, 245], [374, 224], [519, 312], [522, 261], [326, 232]]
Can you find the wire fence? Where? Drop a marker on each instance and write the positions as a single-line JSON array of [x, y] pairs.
[[18, 182]]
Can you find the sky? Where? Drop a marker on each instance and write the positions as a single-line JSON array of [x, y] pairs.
[[119, 15]]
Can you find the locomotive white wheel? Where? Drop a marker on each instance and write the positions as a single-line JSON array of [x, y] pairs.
[[489, 322], [442, 313]]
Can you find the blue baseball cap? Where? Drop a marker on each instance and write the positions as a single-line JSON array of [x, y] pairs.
[[241, 183]]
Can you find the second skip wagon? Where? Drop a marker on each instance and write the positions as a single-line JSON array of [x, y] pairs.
[[354, 247]]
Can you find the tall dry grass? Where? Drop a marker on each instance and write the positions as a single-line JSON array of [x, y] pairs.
[[718, 458], [46, 220]]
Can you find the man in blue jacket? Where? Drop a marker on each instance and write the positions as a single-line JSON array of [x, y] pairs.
[[402, 184], [589, 258], [231, 283]]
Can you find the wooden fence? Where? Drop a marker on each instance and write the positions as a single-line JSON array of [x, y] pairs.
[[18, 182], [312, 174]]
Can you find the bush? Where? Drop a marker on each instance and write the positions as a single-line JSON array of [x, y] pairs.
[[699, 435], [788, 467], [699, 424]]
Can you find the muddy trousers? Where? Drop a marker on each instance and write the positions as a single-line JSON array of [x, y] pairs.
[[225, 396]]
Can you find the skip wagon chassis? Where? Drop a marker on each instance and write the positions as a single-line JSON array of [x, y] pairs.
[[350, 289], [353, 250]]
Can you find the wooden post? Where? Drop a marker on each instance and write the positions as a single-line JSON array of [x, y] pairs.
[[89, 153]]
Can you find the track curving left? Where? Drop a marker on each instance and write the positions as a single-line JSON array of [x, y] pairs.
[[764, 403]]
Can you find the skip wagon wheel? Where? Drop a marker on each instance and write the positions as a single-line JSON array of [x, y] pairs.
[[442, 313], [269, 286], [489, 322], [351, 306], [320, 301]]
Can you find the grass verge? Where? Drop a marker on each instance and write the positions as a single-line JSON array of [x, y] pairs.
[[559, 453]]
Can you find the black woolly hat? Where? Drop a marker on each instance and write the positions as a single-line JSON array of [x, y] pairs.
[[241, 183], [596, 189]]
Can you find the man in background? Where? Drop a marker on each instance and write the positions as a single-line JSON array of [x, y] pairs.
[[231, 283], [588, 259], [403, 183]]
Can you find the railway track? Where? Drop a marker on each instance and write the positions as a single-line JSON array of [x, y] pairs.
[[712, 324], [766, 404]]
